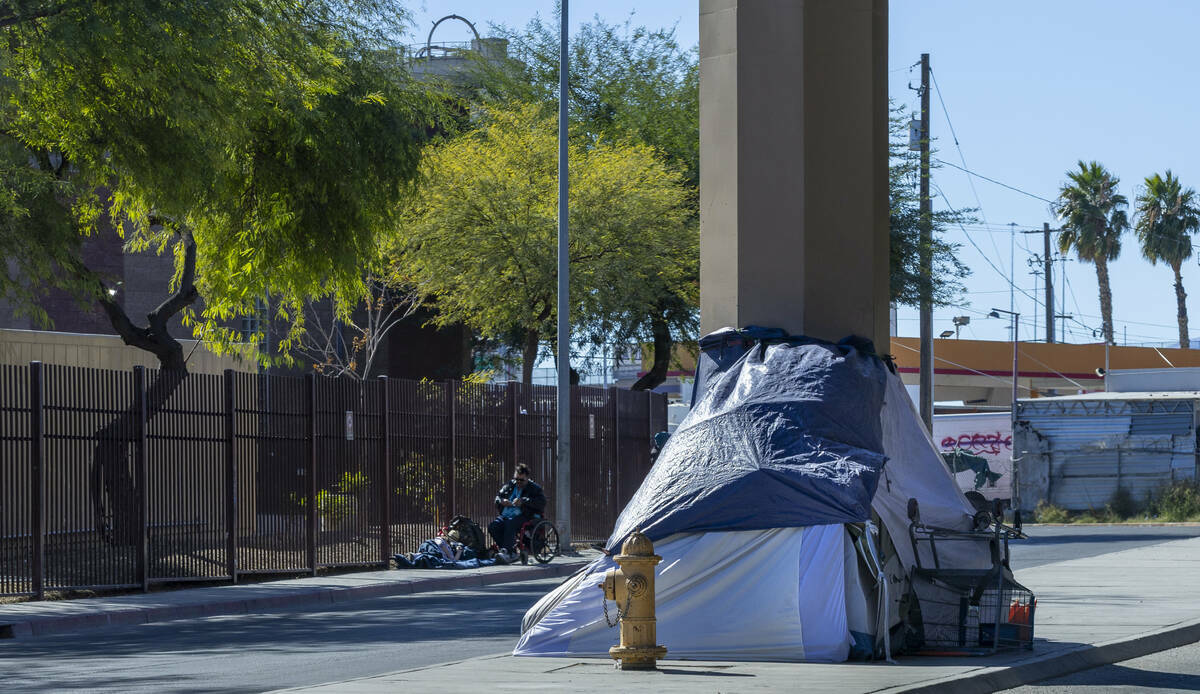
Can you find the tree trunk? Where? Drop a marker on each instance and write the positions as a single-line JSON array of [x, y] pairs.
[[113, 474], [663, 344], [1181, 303], [1105, 299], [529, 356]]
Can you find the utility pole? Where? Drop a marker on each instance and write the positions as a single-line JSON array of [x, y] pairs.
[[1062, 275], [562, 470], [1035, 263], [1049, 284], [926, 258], [1048, 260], [1012, 267]]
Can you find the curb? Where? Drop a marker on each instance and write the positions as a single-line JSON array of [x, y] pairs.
[[301, 597], [1051, 665], [1130, 524]]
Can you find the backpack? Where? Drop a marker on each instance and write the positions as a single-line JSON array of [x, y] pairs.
[[464, 530]]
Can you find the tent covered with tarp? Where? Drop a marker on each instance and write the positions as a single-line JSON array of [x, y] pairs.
[[781, 508]]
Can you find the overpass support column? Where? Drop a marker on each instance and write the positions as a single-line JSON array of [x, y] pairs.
[[793, 175]]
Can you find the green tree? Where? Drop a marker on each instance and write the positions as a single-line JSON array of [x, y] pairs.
[[625, 81], [1166, 216], [479, 241], [631, 83], [264, 143], [1093, 220], [907, 281]]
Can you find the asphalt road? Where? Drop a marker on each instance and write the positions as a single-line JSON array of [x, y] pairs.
[[1176, 670], [1048, 544], [254, 653]]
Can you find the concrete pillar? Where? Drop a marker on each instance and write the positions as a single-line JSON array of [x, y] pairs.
[[793, 175]]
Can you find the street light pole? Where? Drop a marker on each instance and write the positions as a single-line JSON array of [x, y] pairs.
[[1013, 410], [562, 471], [1014, 315]]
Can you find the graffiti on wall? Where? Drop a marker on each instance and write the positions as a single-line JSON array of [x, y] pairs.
[[978, 450], [979, 443]]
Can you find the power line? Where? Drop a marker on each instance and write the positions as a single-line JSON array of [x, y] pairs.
[[1010, 276], [957, 146], [962, 157], [984, 255], [961, 366], [992, 180], [970, 181], [1047, 366]]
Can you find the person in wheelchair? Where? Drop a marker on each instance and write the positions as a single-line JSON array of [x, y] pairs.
[[519, 500]]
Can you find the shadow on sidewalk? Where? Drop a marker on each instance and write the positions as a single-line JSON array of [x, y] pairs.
[[402, 618], [1119, 676]]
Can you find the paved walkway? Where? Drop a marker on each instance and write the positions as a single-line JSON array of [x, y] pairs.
[[1091, 612], [32, 619]]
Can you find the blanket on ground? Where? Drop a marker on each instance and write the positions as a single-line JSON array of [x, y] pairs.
[[430, 555]]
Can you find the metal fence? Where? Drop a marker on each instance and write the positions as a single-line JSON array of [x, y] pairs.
[[1078, 453], [122, 479]]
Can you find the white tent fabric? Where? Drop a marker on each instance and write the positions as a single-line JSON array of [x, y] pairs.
[[915, 470], [776, 595], [781, 594]]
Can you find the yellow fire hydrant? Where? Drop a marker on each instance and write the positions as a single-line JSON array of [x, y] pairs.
[[632, 588]]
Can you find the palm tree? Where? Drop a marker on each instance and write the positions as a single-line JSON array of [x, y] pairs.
[[1167, 216], [1093, 219]]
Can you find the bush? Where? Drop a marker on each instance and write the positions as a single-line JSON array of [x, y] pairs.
[[1178, 501], [1049, 513], [336, 507], [1122, 505]]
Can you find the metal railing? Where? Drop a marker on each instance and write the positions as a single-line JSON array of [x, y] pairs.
[[123, 479]]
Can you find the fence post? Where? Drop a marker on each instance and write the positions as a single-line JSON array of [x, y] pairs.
[[451, 483], [385, 531], [649, 417], [231, 486], [514, 392], [37, 479], [618, 502], [141, 477], [311, 473]]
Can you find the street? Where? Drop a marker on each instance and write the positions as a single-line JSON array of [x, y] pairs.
[[1173, 670], [1169, 671], [254, 653], [1053, 543], [288, 648]]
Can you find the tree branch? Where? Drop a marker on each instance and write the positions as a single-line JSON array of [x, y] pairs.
[[185, 294], [130, 334], [10, 17]]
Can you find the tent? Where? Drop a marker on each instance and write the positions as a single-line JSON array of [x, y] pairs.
[[781, 508]]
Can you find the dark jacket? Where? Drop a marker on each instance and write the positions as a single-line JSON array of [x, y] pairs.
[[533, 500]]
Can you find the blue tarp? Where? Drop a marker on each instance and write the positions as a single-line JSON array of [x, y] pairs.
[[783, 432]]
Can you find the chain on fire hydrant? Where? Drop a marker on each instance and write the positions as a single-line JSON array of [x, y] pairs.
[[632, 586]]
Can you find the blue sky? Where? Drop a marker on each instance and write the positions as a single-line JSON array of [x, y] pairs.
[[1030, 88]]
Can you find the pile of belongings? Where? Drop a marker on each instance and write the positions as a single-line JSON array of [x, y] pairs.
[[440, 553], [780, 509], [462, 545]]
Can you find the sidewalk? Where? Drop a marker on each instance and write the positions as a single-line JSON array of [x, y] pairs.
[[1091, 611], [32, 619]]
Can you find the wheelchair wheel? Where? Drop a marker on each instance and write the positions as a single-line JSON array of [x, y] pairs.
[[543, 542]]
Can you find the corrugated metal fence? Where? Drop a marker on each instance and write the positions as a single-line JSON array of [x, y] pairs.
[[121, 479], [1076, 453]]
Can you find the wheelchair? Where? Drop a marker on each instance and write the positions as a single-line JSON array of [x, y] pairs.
[[537, 538]]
